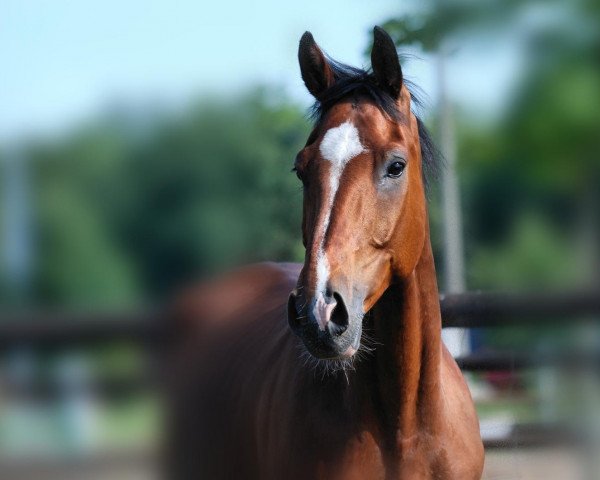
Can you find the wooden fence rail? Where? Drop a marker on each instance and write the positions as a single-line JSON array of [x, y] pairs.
[[467, 310]]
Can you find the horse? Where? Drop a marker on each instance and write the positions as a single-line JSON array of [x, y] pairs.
[[346, 377]]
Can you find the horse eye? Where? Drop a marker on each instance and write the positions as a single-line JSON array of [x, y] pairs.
[[395, 169]]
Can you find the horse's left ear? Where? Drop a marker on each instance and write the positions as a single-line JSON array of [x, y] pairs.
[[385, 63]]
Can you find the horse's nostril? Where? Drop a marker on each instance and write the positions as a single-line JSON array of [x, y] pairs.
[[338, 323]]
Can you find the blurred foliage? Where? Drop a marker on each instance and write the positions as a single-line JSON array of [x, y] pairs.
[[522, 262], [432, 23], [136, 204], [130, 207]]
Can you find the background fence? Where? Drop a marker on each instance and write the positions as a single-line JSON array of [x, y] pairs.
[[152, 332]]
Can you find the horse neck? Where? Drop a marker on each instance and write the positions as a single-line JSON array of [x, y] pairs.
[[407, 327]]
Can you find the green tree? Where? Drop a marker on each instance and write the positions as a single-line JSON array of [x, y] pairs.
[[131, 206]]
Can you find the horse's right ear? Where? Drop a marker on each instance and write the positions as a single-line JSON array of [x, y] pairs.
[[316, 71]]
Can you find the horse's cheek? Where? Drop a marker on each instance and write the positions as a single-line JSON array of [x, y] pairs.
[[384, 224]]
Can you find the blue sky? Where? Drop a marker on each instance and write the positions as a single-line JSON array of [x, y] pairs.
[[63, 61]]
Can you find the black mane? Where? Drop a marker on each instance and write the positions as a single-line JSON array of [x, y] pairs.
[[352, 81]]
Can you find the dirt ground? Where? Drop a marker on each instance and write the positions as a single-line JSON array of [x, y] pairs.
[[539, 464]]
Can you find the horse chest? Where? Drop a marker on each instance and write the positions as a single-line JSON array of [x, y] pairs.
[[365, 457], [362, 458]]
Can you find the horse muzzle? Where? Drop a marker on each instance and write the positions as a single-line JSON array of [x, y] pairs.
[[328, 328]]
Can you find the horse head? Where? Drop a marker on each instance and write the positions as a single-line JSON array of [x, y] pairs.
[[364, 210]]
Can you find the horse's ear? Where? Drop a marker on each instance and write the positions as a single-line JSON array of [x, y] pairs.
[[385, 63], [316, 71]]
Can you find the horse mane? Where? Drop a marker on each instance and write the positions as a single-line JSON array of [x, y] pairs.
[[352, 81]]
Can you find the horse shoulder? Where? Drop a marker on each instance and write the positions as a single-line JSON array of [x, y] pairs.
[[464, 452]]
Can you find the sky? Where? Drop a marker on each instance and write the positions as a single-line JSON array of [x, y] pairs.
[[64, 61]]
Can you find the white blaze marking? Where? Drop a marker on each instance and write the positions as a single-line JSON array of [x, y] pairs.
[[339, 145]]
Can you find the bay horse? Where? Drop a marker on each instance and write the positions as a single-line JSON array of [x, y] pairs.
[[357, 383]]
